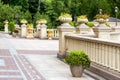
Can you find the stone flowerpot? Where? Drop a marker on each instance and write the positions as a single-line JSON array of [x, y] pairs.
[[41, 21], [30, 32], [101, 20], [82, 20], [65, 19], [77, 71], [50, 34]]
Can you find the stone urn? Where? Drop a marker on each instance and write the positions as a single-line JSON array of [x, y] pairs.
[[101, 20], [30, 31], [41, 21], [82, 28], [65, 19], [50, 34], [82, 21]]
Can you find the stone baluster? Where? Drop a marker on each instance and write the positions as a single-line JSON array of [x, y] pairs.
[[43, 31], [38, 30]]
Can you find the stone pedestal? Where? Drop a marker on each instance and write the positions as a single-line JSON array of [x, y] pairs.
[[83, 29], [23, 30], [6, 27], [38, 30], [43, 31], [102, 31], [63, 30]]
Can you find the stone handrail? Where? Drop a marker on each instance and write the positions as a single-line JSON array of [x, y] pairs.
[[102, 52]]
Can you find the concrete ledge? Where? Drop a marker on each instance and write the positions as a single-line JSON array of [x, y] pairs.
[[104, 72], [61, 56]]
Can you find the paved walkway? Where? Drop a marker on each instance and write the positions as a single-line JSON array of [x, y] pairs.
[[33, 59]]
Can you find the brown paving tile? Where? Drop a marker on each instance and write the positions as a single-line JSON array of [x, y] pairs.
[[23, 70], [41, 52], [30, 69], [4, 52], [9, 64], [10, 73], [11, 79]]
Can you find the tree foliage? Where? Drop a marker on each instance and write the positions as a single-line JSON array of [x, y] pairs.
[[28, 9]]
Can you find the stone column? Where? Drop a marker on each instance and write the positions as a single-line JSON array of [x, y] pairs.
[[63, 30], [38, 30], [23, 30], [17, 27], [6, 27], [43, 31], [102, 31]]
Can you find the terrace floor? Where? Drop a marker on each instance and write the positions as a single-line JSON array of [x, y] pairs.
[[34, 59]]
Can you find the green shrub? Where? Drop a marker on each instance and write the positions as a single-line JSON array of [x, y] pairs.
[[15, 31], [90, 24], [11, 26], [72, 23], [107, 24], [78, 58]]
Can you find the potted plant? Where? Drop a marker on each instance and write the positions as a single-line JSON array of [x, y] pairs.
[[82, 19], [24, 21], [65, 17], [6, 22], [29, 27], [90, 24], [29, 30], [102, 18], [78, 61], [50, 33], [41, 21]]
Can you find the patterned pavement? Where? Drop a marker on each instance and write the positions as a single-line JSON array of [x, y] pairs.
[[9, 69], [33, 59], [13, 65]]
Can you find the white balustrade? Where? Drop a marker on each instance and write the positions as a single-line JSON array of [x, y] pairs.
[[55, 33], [102, 52]]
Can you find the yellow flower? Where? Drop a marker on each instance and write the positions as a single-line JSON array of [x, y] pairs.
[[104, 16], [41, 21], [23, 21], [64, 15]]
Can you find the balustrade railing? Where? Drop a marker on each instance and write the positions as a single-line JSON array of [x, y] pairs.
[[102, 52], [55, 33]]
